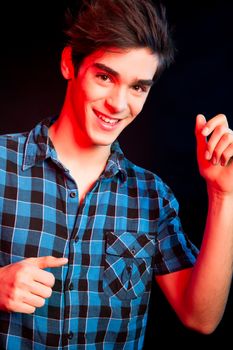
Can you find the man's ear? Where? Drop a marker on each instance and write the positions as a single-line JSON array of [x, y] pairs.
[[67, 67]]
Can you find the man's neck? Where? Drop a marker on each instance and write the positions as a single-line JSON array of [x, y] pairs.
[[73, 149]]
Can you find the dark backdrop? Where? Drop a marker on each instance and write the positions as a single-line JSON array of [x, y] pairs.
[[162, 138]]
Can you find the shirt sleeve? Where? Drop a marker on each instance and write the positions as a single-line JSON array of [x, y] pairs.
[[174, 250]]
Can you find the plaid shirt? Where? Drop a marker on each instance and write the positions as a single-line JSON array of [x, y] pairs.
[[125, 231]]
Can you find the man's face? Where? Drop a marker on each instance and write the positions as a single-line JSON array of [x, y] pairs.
[[109, 91]]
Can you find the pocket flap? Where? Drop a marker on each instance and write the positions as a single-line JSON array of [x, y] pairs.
[[130, 244]]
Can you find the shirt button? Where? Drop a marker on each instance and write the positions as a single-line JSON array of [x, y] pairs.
[[133, 251], [70, 335], [72, 194], [76, 239], [71, 286]]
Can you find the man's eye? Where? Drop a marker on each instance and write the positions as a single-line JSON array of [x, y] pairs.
[[137, 88], [103, 77], [140, 88]]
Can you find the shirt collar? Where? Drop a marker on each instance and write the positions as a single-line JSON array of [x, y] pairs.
[[39, 147], [116, 163]]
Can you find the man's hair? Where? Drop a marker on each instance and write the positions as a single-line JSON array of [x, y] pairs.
[[101, 24]]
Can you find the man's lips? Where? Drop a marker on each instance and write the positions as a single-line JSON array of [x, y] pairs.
[[106, 118]]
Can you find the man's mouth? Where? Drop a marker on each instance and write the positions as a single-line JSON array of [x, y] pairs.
[[105, 118]]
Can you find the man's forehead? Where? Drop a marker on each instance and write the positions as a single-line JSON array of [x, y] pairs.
[[140, 62]]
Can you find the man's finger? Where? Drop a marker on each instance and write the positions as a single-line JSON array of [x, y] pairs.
[[214, 122], [200, 124], [47, 261]]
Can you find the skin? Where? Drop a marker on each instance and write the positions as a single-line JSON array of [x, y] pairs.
[[107, 86], [26, 284], [199, 294]]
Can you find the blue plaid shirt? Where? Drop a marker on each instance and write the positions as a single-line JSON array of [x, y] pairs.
[[125, 231]]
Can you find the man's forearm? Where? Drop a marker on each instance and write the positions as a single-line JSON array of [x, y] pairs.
[[210, 282]]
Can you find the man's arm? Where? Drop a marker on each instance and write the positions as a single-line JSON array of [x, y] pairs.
[[199, 295]]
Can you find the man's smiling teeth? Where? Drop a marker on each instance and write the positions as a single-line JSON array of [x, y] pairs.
[[107, 120]]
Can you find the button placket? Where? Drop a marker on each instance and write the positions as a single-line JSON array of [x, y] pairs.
[[73, 204]]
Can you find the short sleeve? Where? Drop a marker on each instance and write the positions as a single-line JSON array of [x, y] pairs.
[[174, 250]]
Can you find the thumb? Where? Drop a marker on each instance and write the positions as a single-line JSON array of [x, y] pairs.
[[201, 139], [200, 123], [47, 261]]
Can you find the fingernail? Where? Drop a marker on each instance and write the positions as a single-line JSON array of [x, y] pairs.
[[205, 131], [207, 155], [214, 161], [223, 163]]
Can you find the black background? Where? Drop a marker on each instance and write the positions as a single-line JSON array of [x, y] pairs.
[[162, 137]]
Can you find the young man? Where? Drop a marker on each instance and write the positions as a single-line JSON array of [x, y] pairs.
[[83, 230]]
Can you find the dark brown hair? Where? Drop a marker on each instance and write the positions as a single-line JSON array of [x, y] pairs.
[[124, 24]]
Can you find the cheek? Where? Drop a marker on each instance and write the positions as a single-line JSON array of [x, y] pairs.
[[82, 96], [92, 92], [136, 106]]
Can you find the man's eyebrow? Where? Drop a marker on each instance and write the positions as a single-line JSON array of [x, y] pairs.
[[106, 69], [146, 82]]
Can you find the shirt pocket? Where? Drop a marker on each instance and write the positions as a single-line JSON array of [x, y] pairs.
[[128, 264]]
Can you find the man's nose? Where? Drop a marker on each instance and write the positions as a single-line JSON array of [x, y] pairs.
[[117, 100]]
